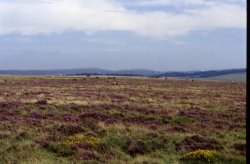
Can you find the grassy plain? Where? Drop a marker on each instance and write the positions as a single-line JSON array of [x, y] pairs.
[[121, 120]]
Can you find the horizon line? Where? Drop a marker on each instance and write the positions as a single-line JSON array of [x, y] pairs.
[[119, 69]]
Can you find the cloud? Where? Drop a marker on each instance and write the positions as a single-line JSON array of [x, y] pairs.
[[182, 3], [29, 17]]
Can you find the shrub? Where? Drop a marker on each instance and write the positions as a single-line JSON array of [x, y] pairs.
[[36, 115], [116, 141], [240, 147], [195, 142], [80, 138], [60, 149], [70, 129], [88, 155], [136, 148], [22, 135], [42, 102], [209, 156]]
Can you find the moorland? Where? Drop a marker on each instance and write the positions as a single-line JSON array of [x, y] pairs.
[[59, 119]]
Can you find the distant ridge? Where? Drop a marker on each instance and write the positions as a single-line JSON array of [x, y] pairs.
[[202, 74], [130, 72], [56, 71], [82, 71]]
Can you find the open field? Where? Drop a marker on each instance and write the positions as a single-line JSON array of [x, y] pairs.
[[120, 120]]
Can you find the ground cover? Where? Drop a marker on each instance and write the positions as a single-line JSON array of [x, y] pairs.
[[46, 119]]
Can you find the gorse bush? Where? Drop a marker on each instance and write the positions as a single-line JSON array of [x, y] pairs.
[[80, 138], [209, 156]]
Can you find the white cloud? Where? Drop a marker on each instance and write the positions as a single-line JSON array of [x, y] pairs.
[[183, 3], [54, 16]]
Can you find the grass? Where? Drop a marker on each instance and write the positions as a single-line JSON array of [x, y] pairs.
[[46, 119]]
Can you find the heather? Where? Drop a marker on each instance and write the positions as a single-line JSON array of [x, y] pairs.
[[48, 119]]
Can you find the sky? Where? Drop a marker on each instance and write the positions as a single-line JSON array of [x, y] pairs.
[[163, 35]]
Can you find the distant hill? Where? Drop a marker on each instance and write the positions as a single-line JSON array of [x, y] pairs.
[[140, 72], [82, 71], [56, 71], [131, 72], [202, 74]]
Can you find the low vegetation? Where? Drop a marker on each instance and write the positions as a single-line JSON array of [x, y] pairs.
[[47, 119]]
